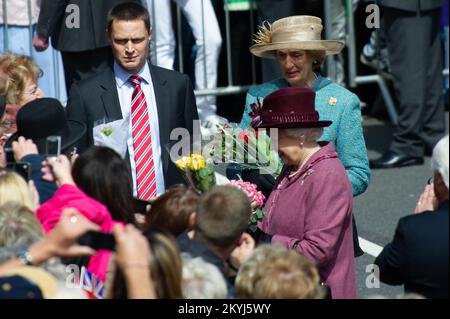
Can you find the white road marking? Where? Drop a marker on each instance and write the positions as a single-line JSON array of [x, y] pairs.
[[369, 247]]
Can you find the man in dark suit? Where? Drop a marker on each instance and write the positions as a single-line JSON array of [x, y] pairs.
[[77, 29], [154, 100], [415, 56], [418, 256]]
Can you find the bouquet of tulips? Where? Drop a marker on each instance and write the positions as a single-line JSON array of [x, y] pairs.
[[198, 172], [255, 197], [249, 148]]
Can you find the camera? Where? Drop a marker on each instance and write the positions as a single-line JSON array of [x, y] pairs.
[[21, 168]]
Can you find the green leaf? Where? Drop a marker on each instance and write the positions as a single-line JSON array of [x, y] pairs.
[[202, 173]]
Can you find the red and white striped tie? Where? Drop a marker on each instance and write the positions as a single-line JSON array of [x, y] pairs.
[[142, 142]]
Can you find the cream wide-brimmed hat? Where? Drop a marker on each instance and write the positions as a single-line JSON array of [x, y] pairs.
[[295, 33]]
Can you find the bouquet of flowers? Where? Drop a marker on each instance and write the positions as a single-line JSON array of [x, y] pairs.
[[198, 172], [249, 148], [255, 197]]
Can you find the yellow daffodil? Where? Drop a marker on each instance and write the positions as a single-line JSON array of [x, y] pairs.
[[183, 162], [197, 162]]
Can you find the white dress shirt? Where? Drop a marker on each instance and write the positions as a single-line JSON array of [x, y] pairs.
[[125, 90]]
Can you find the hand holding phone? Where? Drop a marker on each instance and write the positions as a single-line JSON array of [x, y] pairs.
[[98, 240], [53, 146], [60, 169]]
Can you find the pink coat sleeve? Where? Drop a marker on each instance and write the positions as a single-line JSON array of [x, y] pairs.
[[71, 196]]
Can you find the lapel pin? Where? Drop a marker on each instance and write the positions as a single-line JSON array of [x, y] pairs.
[[332, 101]]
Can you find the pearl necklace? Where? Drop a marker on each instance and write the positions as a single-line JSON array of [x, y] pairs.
[[303, 162]]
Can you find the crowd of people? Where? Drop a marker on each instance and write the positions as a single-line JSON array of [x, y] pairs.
[[126, 221]]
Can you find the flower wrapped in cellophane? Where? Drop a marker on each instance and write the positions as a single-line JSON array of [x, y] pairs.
[[249, 148], [198, 172]]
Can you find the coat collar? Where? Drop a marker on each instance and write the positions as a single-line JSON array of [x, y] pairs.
[[326, 151], [122, 75], [164, 106], [109, 96]]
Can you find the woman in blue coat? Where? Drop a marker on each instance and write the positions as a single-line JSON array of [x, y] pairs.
[[296, 44]]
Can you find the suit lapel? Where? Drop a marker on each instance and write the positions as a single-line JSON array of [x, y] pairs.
[[162, 96], [110, 97]]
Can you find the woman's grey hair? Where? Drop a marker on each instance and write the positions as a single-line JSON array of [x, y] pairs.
[[202, 280], [248, 270], [440, 159], [309, 134], [18, 225]]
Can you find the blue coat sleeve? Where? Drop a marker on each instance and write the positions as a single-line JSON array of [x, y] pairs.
[[44, 188], [351, 146]]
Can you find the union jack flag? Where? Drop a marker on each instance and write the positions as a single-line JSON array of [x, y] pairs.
[[90, 283]]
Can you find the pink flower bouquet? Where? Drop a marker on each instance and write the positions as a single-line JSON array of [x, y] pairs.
[[255, 197]]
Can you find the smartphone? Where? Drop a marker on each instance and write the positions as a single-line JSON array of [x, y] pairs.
[[98, 240], [53, 146], [9, 155], [21, 168], [140, 205]]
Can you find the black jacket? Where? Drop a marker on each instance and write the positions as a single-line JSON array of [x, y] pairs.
[[57, 17], [418, 256], [412, 5], [96, 97]]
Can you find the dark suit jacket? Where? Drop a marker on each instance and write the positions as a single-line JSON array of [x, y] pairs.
[[412, 5], [94, 98], [92, 31], [418, 255]]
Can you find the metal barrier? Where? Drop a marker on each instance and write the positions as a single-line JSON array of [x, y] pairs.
[[353, 78], [231, 88]]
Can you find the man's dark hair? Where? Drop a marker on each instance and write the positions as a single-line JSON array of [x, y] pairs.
[[128, 11], [222, 216]]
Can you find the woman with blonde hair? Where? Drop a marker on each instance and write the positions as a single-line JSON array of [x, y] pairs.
[[273, 272], [18, 85], [19, 78], [13, 188]]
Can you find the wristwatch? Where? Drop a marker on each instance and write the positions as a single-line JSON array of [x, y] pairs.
[[25, 256]]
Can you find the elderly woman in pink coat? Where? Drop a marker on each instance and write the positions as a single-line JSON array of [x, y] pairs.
[[310, 208]]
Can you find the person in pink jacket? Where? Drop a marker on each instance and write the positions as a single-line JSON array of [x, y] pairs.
[[310, 208], [69, 195]]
